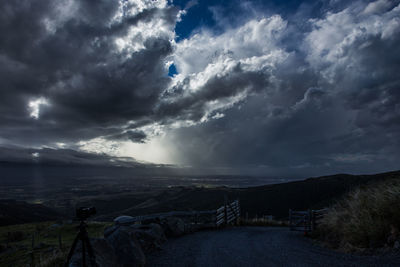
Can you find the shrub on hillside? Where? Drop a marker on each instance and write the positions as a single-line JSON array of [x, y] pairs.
[[368, 217]]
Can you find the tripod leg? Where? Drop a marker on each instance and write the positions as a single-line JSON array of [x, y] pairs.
[[92, 257], [83, 252], [71, 251]]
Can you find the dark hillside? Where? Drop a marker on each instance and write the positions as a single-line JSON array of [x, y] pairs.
[[113, 200], [274, 199], [17, 212], [311, 193]]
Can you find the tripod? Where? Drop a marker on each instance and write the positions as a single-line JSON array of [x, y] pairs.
[[84, 237]]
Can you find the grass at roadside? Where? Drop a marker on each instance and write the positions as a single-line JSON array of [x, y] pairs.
[[367, 218], [19, 243]]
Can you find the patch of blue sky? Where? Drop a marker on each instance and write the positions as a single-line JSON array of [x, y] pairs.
[[172, 70]]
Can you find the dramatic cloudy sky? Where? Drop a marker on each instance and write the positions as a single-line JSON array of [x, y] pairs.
[[259, 87]]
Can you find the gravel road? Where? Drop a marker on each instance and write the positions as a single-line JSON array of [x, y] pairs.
[[255, 246]]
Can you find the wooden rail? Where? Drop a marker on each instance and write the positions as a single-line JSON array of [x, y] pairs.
[[171, 214], [224, 215], [228, 214], [306, 221]]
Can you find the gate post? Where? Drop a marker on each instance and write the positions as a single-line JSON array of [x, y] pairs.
[[226, 209]]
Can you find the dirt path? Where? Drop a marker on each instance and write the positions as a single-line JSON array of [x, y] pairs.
[[255, 246]]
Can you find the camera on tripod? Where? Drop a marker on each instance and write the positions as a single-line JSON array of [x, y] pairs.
[[83, 213]]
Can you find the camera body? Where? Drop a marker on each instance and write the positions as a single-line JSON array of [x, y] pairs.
[[83, 213]]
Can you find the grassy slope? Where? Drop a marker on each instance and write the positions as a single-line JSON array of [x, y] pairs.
[[311, 193], [364, 219]]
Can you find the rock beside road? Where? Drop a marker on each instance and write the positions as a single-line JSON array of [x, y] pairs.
[[127, 247], [125, 243], [173, 227]]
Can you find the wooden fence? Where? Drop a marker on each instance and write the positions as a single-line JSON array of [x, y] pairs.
[[305, 221], [227, 214]]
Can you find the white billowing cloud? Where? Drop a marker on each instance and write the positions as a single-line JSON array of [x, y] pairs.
[[327, 45], [218, 71], [256, 38], [34, 106], [134, 7], [137, 35], [377, 7]]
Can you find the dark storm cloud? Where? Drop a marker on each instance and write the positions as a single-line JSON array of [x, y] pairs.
[[61, 157], [66, 53], [193, 106], [130, 135]]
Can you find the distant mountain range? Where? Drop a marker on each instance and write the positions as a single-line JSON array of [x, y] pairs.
[[51, 156], [19, 166]]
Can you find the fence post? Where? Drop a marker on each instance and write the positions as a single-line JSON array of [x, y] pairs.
[[226, 214], [8, 239], [226, 209], [216, 218], [238, 212], [307, 222], [32, 259], [314, 219]]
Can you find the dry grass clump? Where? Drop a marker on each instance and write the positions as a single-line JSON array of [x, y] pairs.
[[365, 218]]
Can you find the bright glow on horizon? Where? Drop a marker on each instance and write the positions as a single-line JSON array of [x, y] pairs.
[[154, 151]]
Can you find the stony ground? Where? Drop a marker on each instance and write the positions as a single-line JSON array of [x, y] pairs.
[[256, 246]]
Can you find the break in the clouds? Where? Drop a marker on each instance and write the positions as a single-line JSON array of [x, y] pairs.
[[309, 88]]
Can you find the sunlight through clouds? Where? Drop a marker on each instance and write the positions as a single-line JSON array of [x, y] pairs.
[[153, 151]]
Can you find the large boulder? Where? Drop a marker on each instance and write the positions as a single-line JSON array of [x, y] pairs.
[[124, 220], [126, 246], [150, 236], [157, 231], [173, 226], [104, 253]]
